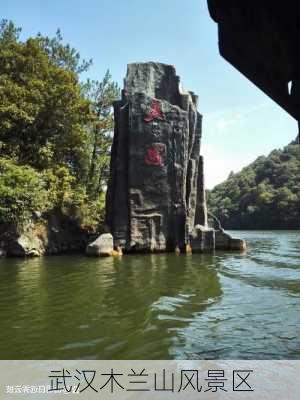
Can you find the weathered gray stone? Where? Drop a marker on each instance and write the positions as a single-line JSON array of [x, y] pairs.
[[224, 241], [53, 233], [103, 246], [202, 239], [156, 192], [27, 245]]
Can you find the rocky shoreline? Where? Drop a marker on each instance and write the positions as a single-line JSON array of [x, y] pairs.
[[52, 234], [37, 241]]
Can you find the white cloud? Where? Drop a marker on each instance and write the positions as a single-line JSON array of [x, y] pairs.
[[222, 121]]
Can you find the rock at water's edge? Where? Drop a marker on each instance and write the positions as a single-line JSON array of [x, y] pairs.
[[26, 245], [53, 233], [103, 246], [223, 241], [202, 239]]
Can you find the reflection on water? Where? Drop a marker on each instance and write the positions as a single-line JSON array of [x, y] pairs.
[[226, 305]]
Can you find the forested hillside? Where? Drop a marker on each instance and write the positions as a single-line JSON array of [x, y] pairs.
[[264, 195]]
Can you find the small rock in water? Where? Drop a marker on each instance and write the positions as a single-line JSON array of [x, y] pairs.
[[103, 246]]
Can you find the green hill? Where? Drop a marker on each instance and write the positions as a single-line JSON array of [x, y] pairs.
[[264, 195]]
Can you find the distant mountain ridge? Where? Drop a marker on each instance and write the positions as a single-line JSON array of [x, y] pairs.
[[263, 195]]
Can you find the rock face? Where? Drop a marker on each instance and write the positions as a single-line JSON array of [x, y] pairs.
[[156, 191], [27, 245], [52, 234]]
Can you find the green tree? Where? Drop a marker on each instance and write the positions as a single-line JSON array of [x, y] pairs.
[[101, 94], [63, 55], [42, 111], [22, 191], [55, 131]]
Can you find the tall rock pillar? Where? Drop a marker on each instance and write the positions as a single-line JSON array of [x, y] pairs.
[[156, 191]]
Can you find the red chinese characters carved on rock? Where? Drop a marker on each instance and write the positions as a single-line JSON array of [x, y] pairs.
[[155, 112], [154, 156]]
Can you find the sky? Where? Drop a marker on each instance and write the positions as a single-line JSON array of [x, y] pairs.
[[240, 122]]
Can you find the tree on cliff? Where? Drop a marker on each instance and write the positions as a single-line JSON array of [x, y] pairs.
[[264, 195], [47, 121]]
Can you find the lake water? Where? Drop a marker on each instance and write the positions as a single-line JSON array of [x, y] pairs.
[[221, 306]]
